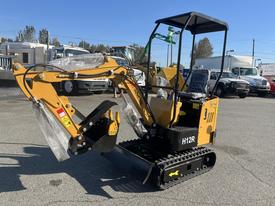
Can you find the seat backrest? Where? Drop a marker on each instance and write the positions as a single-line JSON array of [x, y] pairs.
[[163, 110], [199, 81]]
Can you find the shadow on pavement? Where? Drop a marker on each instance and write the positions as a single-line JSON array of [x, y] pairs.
[[91, 170]]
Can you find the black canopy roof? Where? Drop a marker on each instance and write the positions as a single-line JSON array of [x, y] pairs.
[[198, 24]]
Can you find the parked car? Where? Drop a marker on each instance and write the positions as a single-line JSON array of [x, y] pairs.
[[271, 80], [242, 67], [258, 84], [138, 75], [267, 70], [97, 86], [72, 87], [228, 84]]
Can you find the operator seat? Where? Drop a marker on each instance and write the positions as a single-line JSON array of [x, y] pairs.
[[198, 86]]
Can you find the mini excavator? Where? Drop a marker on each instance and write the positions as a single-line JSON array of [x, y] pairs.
[[172, 132]]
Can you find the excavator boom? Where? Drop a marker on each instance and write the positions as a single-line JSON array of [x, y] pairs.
[[38, 86]]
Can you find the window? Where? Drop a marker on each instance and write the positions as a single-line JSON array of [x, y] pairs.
[[58, 53], [248, 71], [25, 58], [213, 76], [73, 52], [228, 75], [235, 71]]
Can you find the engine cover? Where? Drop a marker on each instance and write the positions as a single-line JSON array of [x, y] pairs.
[[177, 138]]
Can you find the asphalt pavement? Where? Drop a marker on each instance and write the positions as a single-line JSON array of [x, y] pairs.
[[244, 173]]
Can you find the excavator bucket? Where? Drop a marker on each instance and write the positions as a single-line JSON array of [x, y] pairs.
[[99, 128]]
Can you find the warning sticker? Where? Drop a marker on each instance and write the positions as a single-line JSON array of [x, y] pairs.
[[66, 121], [196, 106], [176, 173], [64, 118], [61, 112]]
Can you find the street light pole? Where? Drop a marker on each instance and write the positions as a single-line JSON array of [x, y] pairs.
[[256, 61], [229, 61], [167, 63], [253, 51], [48, 46]]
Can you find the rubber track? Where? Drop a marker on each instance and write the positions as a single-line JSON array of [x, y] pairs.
[[180, 158], [176, 158]]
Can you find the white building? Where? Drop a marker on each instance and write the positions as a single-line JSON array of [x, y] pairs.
[[26, 52]]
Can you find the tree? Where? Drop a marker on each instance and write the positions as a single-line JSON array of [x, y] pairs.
[[102, 48], [92, 48], [19, 37], [99, 48], [43, 36], [84, 45], [28, 34], [3, 39], [55, 42], [203, 49], [139, 53]]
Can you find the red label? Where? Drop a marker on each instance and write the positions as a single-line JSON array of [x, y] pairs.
[[61, 112]]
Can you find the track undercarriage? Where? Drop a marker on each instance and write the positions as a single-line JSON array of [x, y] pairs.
[[161, 169]]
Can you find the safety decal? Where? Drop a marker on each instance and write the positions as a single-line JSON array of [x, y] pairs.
[[176, 173], [66, 121], [196, 106], [61, 112]]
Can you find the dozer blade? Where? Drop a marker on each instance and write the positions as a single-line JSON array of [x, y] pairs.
[[130, 163], [51, 130], [161, 170]]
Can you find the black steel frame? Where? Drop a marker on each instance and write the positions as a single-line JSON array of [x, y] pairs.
[[175, 88]]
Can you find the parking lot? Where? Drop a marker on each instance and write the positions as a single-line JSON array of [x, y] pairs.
[[244, 173]]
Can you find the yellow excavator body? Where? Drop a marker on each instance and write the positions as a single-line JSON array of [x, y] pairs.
[[171, 131]]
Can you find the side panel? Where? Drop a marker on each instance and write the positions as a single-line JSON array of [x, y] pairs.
[[208, 121]]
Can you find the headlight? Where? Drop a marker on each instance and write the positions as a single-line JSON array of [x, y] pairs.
[[268, 84], [228, 83], [259, 82]]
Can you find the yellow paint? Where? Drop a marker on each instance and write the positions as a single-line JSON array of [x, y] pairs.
[[163, 111], [43, 90], [113, 129], [66, 121], [208, 119], [111, 117], [169, 73], [176, 173], [182, 113], [196, 106], [118, 117]]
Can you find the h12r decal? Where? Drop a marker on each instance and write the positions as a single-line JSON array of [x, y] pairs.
[[188, 140]]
